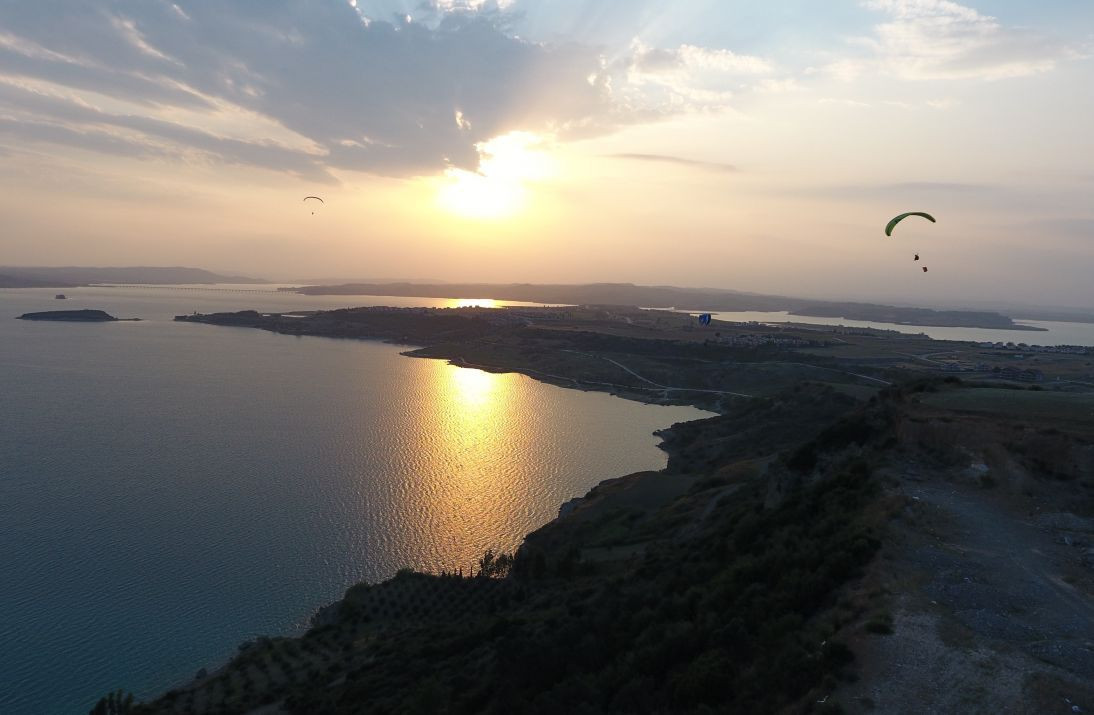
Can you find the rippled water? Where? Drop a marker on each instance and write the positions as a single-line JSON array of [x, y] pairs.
[[168, 490]]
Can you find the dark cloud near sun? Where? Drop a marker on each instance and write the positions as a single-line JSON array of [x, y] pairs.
[[332, 88]]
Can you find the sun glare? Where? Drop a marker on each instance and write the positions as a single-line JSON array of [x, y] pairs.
[[499, 189], [473, 303]]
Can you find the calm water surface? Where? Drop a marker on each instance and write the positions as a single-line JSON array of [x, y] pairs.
[[168, 490]]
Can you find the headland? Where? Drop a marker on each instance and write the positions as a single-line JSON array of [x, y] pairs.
[[874, 521]]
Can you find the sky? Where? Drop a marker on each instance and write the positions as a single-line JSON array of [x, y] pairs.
[[716, 143]]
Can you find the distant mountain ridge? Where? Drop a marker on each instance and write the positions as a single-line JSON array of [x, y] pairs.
[[69, 276], [8, 280]]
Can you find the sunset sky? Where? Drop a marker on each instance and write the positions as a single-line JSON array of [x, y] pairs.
[[722, 143]]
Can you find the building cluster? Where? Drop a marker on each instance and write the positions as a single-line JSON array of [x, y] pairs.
[[539, 313], [872, 332], [522, 316], [1024, 348], [759, 340], [822, 327], [394, 309], [1013, 373]]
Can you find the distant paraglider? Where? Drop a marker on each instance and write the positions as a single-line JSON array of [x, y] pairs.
[[704, 319], [314, 198], [892, 224]]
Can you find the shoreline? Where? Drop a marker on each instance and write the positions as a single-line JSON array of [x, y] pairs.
[[677, 298], [810, 465], [327, 613]]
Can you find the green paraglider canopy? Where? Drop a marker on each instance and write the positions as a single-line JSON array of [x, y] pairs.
[[901, 217]]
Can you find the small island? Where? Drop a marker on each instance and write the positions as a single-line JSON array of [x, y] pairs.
[[76, 316]]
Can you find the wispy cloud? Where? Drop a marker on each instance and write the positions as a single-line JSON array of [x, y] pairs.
[[312, 89], [940, 197], [470, 5], [689, 78], [678, 161], [1079, 231], [392, 97], [909, 190], [944, 40]]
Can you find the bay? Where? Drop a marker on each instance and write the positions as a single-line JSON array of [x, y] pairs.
[[168, 490]]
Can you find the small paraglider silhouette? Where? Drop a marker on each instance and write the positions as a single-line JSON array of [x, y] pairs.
[[315, 198], [892, 224], [704, 319]]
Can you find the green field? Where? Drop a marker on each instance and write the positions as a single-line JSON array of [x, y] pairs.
[[1018, 403]]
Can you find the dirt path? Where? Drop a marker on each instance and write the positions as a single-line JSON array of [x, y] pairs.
[[1023, 570], [666, 388], [833, 369], [993, 613]]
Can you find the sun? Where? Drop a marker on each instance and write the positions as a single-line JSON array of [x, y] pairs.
[[508, 164], [473, 195]]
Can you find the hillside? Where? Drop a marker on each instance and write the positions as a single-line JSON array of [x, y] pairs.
[[66, 277], [827, 554], [19, 280]]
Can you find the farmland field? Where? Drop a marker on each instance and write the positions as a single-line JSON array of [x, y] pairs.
[[1021, 403]]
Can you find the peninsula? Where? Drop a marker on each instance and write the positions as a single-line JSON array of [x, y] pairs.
[[869, 512], [692, 299]]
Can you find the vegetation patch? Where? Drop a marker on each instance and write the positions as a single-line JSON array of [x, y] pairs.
[[738, 617]]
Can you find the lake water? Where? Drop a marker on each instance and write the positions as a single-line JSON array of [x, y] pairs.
[[1054, 333], [168, 490]]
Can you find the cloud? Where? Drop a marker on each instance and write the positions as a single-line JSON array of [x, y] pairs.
[[315, 88], [909, 190], [57, 119], [944, 199], [677, 160], [932, 193], [322, 86], [41, 175], [689, 78], [946, 187], [943, 40], [690, 57], [471, 5], [1076, 231]]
